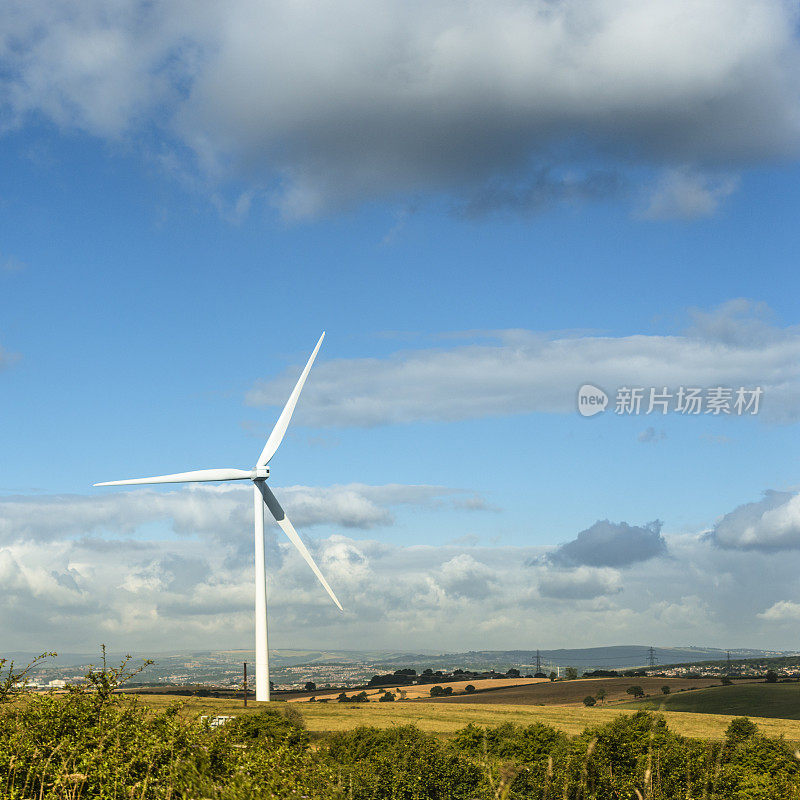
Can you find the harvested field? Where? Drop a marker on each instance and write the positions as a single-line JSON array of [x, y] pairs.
[[573, 692], [423, 690], [446, 718]]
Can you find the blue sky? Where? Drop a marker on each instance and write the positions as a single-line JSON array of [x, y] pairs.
[[184, 207]]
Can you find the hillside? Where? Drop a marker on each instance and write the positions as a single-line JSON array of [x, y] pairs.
[[573, 692], [776, 700]]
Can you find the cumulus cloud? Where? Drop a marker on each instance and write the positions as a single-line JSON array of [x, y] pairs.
[[582, 583], [782, 611], [167, 593], [317, 111], [518, 372], [772, 523], [682, 193], [611, 544]]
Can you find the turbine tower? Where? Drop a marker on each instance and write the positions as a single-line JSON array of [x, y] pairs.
[[262, 495]]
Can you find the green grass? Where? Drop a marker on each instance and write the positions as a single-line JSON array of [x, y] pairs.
[[775, 700]]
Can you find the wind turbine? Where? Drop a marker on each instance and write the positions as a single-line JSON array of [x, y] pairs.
[[262, 495]]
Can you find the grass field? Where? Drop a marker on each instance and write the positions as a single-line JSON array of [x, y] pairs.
[[446, 718], [750, 699]]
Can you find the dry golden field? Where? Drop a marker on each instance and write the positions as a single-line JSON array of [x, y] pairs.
[[424, 690], [446, 718]]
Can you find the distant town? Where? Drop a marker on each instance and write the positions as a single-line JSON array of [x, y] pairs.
[[293, 671]]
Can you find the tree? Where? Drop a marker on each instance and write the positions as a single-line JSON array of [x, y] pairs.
[[469, 688], [636, 691], [666, 689], [387, 697], [311, 686], [14, 680], [513, 673], [361, 697], [740, 728], [600, 694], [437, 691], [539, 675], [726, 681], [771, 676], [589, 701], [342, 698], [572, 673], [553, 676]]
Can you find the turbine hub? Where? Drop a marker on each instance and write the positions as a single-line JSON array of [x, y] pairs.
[[260, 473]]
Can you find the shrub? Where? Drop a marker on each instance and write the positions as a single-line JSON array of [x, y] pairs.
[[469, 688], [589, 701], [401, 763], [387, 697], [636, 691], [666, 689]]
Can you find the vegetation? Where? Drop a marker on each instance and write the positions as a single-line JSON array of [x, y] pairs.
[[589, 701], [780, 700], [92, 743], [600, 695]]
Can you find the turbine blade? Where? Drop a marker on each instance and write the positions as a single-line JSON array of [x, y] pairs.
[[280, 517], [197, 476], [279, 431]]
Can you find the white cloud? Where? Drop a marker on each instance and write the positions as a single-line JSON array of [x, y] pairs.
[[518, 372], [582, 583], [500, 104], [782, 611], [772, 523], [682, 193], [173, 593], [221, 512]]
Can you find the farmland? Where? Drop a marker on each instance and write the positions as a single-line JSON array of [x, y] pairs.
[[419, 691], [446, 718], [776, 700], [573, 692]]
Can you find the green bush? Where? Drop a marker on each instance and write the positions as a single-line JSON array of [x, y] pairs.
[[95, 744]]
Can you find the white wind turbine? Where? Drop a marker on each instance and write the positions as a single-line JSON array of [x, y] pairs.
[[262, 495]]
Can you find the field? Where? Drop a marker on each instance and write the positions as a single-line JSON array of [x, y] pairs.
[[447, 718], [756, 699], [419, 691], [573, 692]]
